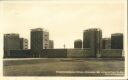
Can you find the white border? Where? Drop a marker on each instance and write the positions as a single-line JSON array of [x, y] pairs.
[[77, 78]]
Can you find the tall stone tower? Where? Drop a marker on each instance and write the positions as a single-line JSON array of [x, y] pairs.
[[92, 39], [11, 42], [117, 41], [39, 41], [78, 43]]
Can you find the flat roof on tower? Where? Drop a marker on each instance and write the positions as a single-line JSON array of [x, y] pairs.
[[37, 29]]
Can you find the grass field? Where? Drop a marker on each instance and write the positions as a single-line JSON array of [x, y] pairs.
[[63, 67]]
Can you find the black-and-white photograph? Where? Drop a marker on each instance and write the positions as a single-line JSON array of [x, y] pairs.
[[49, 38]]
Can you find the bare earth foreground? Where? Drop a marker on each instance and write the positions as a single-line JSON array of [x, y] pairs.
[[63, 67]]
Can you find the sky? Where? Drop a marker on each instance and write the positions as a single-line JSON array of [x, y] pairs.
[[65, 20]]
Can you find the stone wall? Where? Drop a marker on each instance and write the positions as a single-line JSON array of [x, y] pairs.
[[78, 53], [66, 53], [75, 53], [54, 53], [111, 53], [88, 53], [19, 54]]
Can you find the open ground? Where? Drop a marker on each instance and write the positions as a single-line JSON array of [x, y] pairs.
[[63, 67]]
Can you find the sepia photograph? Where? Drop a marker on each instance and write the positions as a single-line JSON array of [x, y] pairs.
[[52, 38]]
